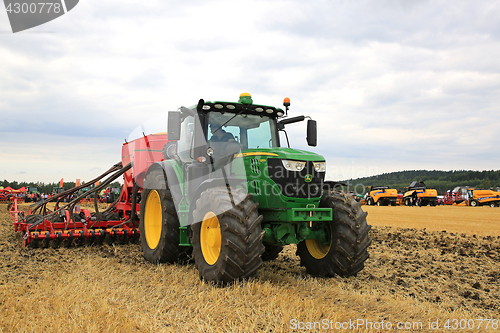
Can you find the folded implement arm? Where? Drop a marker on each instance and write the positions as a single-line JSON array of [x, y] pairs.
[[69, 224]]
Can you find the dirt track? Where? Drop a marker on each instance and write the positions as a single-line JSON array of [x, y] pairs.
[[456, 272]]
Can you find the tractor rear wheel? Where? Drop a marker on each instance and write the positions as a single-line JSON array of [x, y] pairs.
[[493, 204], [159, 227], [349, 241], [227, 243]]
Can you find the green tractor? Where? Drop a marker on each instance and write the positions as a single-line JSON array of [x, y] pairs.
[[229, 196]]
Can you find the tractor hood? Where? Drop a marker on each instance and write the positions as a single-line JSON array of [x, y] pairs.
[[284, 153]]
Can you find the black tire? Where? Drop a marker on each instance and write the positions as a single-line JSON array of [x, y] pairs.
[[159, 222], [30, 219], [348, 249], [235, 228], [474, 203], [493, 204], [110, 216], [272, 251], [379, 202]]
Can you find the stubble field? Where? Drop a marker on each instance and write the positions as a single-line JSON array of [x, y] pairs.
[[427, 265]]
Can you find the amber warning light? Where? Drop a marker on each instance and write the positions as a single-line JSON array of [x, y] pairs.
[[286, 102]]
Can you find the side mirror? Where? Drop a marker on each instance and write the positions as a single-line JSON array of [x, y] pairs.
[[174, 125], [312, 136]]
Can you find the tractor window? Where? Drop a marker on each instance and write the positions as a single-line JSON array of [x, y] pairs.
[[249, 131], [261, 137]]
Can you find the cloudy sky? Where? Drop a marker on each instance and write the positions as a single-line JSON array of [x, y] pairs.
[[394, 85]]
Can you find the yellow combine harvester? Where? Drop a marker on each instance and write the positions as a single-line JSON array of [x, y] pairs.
[[381, 196], [483, 198], [418, 191]]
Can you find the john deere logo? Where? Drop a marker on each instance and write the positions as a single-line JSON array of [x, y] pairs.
[[308, 178]]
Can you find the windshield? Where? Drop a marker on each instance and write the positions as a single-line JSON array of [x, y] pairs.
[[249, 131]]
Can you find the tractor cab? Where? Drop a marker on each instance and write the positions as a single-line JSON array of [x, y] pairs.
[[238, 144], [217, 129]]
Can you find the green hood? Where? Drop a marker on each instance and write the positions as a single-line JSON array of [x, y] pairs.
[[284, 153]]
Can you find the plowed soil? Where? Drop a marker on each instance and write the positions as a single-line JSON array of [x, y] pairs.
[[429, 267]]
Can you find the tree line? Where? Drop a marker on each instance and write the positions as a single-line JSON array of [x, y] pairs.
[[436, 179], [49, 187]]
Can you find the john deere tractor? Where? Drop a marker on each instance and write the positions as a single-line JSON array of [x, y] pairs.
[[229, 196]]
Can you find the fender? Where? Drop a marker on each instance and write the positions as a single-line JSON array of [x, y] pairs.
[[173, 172], [211, 183]]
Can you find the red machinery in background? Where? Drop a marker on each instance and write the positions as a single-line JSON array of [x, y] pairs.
[[68, 222], [453, 196], [7, 195]]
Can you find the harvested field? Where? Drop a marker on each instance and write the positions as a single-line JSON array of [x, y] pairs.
[[447, 271], [484, 221]]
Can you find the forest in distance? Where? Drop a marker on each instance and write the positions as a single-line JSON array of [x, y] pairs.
[[436, 179]]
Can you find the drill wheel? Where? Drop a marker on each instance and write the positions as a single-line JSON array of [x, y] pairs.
[[99, 238], [110, 237], [135, 237], [124, 237], [80, 241], [68, 242], [58, 240], [35, 242], [46, 241]]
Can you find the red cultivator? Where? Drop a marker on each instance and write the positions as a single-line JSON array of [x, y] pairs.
[[8, 197], [69, 224]]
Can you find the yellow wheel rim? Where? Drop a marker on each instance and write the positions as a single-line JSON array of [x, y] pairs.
[[210, 238], [153, 219], [316, 249]]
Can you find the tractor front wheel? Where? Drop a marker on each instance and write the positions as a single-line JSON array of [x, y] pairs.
[[159, 227], [227, 243], [347, 251]]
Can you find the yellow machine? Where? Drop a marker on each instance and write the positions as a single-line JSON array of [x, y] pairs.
[[483, 198], [418, 191], [382, 196]]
